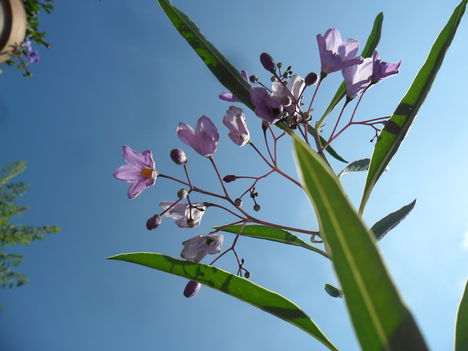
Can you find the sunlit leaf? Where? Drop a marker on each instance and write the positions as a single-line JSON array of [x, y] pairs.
[[226, 73], [396, 128], [380, 318], [371, 44], [390, 221], [238, 287], [356, 166], [461, 328], [273, 234]]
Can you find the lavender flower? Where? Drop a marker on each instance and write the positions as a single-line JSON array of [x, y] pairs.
[[358, 78], [204, 139], [292, 92], [381, 70], [196, 248], [31, 55], [336, 54], [228, 96], [235, 121], [185, 216], [192, 288], [139, 170], [267, 106]]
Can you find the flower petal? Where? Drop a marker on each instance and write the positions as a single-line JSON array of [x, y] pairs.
[[128, 173]]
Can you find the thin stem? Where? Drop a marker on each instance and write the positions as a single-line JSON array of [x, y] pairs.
[[315, 93], [339, 118], [210, 204], [219, 177], [194, 188]]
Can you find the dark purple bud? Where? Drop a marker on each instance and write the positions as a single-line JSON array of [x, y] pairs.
[[153, 222], [256, 207], [182, 193], [247, 274], [311, 79], [267, 62], [191, 289], [286, 101], [190, 223], [229, 178], [253, 79], [238, 202], [178, 156]]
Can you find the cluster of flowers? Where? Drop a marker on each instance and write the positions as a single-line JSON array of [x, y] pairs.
[[283, 102]]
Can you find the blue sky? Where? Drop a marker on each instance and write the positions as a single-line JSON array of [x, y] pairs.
[[119, 74]]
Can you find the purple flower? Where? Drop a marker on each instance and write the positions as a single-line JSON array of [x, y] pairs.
[[192, 288], [292, 92], [228, 96], [203, 139], [336, 54], [235, 121], [358, 77], [267, 106], [196, 248], [185, 216], [139, 170], [381, 70], [31, 55]]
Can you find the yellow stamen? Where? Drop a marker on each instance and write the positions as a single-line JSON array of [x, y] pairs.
[[147, 172]]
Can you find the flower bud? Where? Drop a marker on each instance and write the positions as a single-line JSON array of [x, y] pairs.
[[332, 291], [256, 207], [229, 178], [191, 289], [238, 202], [190, 223], [286, 101], [182, 193], [153, 222], [267, 62], [178, 156], [247, 274], [311, 79], [253, 79]]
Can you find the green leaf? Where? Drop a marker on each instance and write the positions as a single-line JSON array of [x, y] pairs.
[[10, 171], [233, 285], [390, 221], [273, 234], [328, 149], [396, 128], [380, 318], [333, 291], [371, 44], [356, 166], [461, 329], [226, 73]]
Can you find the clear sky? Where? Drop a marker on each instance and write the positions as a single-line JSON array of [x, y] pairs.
[[119, 74]]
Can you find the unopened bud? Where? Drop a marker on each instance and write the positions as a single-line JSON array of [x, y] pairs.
[[311, 79], [153, 222], [238, 202], [229, 178], [267, 62], [182, 193], [190, 223], [253, 79], [191, 289], [247, 274], [286, 101], [279, 65], [332, 291], [178, 156], [257, 207]]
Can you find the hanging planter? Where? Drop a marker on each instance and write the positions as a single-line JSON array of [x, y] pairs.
[[13, 26]]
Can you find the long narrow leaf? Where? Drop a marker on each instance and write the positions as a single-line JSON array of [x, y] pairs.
[[396, 128], [381, 320], [233, 285], [356, 166], [226, 73], [272, 234], [371, 44], [461, 329], [391, 220]]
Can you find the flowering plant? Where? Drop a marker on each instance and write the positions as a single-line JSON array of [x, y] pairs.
[[379, 316]]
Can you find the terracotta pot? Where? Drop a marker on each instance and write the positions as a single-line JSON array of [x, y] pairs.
[[12, 25]]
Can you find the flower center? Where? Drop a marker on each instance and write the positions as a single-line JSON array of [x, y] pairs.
[[147, 172]]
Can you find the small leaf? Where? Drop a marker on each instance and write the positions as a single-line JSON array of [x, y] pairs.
[[356, 166], [233, 285], [390, 221], [332, 291], [226, 73], [461, 329], [273, 234], [371, 44], [379, 316], [396, 128]]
